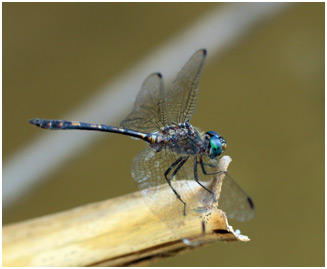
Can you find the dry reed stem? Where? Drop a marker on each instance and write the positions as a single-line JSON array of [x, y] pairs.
[[116, 232]]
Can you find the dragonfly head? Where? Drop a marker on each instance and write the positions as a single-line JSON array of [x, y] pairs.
[[216, 146]]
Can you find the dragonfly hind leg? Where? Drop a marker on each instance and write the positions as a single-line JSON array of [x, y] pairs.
[[180, 162], [197, 178]]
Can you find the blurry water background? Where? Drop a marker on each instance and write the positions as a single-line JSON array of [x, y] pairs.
[[264, 94]]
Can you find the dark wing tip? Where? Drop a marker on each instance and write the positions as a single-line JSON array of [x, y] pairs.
[[204, 52], [251, 202], [159, 75]]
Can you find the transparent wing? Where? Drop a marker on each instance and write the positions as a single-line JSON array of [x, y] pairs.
[[148, 169], [182, 94], [234, 201], [149, 113]]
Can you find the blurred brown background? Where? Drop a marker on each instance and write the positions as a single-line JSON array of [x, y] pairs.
[[265, 96]]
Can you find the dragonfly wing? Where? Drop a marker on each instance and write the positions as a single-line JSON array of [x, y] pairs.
[[182, 94], [148, 170], [234, 201], [149, 113]]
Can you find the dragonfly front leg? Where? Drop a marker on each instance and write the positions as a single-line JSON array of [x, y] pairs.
[[180, 161], [197, 178], [210, 165], [205, 171]]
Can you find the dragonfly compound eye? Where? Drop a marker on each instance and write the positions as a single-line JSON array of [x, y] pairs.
[[215, 147]]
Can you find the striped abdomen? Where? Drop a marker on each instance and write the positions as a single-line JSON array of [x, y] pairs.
[[71, 125]]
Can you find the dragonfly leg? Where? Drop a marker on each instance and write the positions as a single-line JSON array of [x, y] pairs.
[[197, 179], [205, 171], [180, 161], [209, 164], [203, 224], [172, 166]]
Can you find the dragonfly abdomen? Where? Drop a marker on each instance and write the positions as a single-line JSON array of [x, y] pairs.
[[71, 125], [68, 125], [51, 124]]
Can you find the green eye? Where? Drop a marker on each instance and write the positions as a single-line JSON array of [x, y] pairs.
[[215, 147]]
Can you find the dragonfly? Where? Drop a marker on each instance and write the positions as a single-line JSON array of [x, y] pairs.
[[178, 155]]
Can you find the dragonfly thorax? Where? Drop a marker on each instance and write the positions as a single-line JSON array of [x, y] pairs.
[[181, 138], [181, 130]]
